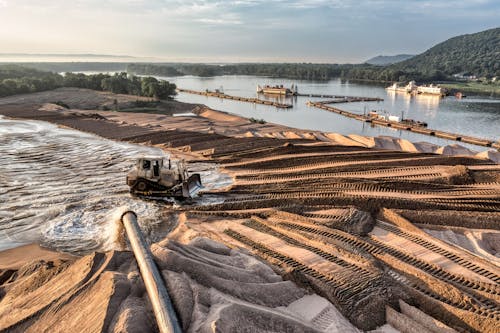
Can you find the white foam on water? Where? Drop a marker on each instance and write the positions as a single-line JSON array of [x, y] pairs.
[[63, 188], [60, 187]]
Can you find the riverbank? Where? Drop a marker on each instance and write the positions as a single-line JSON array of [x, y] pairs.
[[306, 212], [492, 89], [14, 259], [197, 118]]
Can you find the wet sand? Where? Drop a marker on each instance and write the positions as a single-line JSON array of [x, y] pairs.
[[307, 215], [14, 259]]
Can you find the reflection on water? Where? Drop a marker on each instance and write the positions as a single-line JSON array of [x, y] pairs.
[[470, 116], [427, 105], [62, 188]]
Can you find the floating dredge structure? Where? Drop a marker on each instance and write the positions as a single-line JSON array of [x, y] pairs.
[[406, 121], [219, 94], [278, 90], [408, 125], [413, 88]]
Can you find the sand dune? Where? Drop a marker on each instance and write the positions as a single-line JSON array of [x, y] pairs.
[[491, 155], [454, 150]]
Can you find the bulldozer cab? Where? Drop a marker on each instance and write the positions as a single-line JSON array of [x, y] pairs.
[[150, 167]]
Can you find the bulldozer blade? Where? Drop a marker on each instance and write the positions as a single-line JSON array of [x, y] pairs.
[[191, 186]]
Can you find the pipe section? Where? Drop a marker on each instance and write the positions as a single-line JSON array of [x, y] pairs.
[[162, 305]]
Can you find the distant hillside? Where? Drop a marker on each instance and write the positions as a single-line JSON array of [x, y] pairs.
[[477, 54], [382, 60], [86, 66], [62, 55]]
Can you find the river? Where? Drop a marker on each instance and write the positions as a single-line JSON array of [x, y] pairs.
[[65, 190], [475, 116]]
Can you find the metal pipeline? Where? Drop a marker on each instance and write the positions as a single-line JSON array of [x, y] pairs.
[[162, 305]]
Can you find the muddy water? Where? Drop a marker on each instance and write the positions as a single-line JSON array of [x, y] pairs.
[[65, 189]]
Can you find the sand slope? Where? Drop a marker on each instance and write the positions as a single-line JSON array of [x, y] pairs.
[[211, 286]]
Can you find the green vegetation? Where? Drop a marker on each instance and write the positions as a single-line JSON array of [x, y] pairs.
[[121, 83], [16, 79], [474, 54], [492, 88], [63, 67], [258, 121], [146, 104], [302, 71], [382, 60], [19, 80], [150, 69], [143, 106]]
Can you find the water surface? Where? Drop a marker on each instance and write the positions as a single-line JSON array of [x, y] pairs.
[[476, 116], [65, 190]]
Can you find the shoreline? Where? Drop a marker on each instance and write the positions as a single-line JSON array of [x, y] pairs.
[[209, 121], [339, 218], [16, 257]]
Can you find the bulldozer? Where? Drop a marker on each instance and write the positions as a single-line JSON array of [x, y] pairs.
[[152, 178]]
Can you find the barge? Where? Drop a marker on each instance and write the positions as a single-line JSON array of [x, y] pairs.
[[413, 88], [277, 90]]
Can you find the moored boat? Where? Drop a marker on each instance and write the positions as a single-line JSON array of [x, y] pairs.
[[277, 90], [395, 119], [413, 88]]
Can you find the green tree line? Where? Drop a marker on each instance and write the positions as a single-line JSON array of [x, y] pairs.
[[19, 80], [473, 54], [301, 71]]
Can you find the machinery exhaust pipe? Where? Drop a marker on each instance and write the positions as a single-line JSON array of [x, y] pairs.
[[162, 305]]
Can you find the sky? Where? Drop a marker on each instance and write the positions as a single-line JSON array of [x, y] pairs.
[[335, 31]]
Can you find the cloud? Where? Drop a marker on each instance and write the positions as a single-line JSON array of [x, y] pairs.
[[219, 21], [340, 30]]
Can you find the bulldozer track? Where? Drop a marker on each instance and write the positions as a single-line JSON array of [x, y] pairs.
[[435, 248], [345, 293], [376, 248], [285, 150], [365, 193], [264, 227], [321, 186], [470, 307], [358, 165], [436, 271], [381, 173], [346, 199], [258, 161], [333, 165], [308, 159]]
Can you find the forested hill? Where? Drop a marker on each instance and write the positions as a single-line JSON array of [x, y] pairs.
[[382, 60], [477, 54]]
